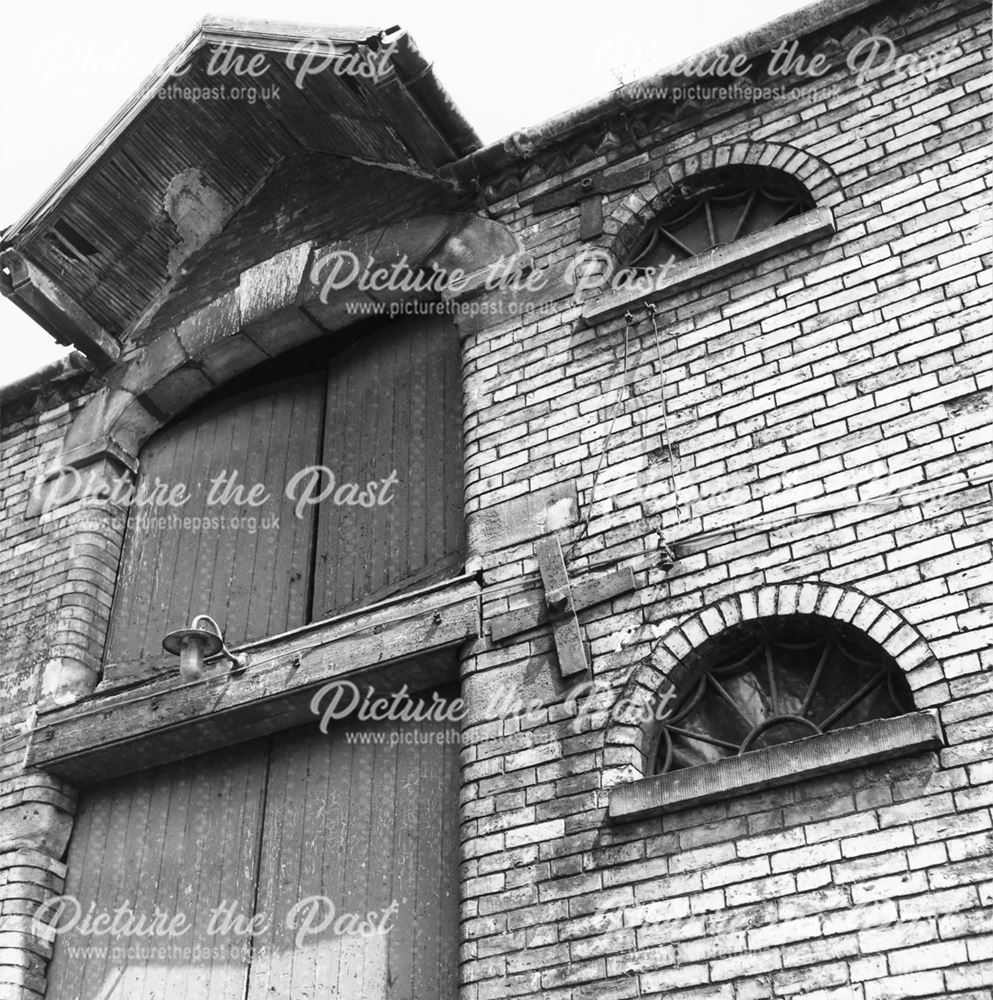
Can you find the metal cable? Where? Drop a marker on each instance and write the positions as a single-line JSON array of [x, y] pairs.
[[618, 406], [665, 414]]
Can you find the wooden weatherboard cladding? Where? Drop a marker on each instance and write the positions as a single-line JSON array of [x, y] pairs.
[[384, 416], [356, 818], [757, 770], [413, 641]]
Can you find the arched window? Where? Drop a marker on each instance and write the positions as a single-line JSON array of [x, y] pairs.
[[775, 680], [717, 207]]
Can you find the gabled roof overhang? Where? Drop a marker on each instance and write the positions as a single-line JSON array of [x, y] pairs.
[[90, 258]]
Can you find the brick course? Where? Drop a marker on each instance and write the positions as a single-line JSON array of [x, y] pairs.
[[822, 430], [821, 415]]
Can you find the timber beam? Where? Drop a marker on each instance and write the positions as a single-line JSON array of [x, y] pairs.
[[412, 641]]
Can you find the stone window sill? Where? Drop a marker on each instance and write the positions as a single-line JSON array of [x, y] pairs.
[[796, 232], [881, 739]]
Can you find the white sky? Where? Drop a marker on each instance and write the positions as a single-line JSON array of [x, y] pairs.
[[66, 67]]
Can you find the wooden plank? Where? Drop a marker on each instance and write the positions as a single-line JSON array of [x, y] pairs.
[[408, 800], [160, 559], [436, 869], [427, 882], [332, 556], [192, 584], [294, 555], [415, 484], [122, 732], [558, 600], [378, 856], [585, 594], [591, 217], [333, 828], [361, 818], [144, 856], [350, 894], [284, 859], [453, 499], [251, 586], [237, 422], [393, 406], [253, 581], [377, 378], [436, 488], [402, 444], [449, 864], [380, 457], [179, 839]]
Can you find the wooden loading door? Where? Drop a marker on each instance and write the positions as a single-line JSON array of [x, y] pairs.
[[383, 416], [394, 405], [221, 558], [358, 821]]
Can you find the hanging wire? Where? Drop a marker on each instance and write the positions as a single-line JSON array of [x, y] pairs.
[[514, 585], [618, 406], [650, 307], [771, 521]]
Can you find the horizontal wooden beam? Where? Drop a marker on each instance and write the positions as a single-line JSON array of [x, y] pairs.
[[585, 593], [31, 290], [411, 641]]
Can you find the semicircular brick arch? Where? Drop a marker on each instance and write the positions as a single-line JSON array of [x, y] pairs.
[[628, 221], [278, 304], [629, 739]]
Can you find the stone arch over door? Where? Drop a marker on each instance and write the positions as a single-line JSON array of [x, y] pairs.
[[629, 741], [623, 228], [275, 306]]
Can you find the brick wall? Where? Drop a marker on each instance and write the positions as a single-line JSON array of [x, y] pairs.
[[33, 550], [796, 390], [35, 558], [823, 421]]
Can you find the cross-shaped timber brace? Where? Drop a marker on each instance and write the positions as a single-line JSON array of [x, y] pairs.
[[562, 599]]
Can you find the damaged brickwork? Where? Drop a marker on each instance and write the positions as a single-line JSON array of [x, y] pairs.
[[805, 433]]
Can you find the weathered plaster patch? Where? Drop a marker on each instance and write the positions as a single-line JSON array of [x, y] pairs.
[[197, 210]]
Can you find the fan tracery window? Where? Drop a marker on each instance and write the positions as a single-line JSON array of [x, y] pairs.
[[713, 209], [775, 680]]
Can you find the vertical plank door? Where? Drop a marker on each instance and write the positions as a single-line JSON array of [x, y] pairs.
[[252, 576], [182, 839], [364, 819], [394, 406]]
